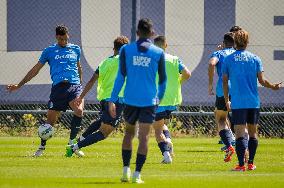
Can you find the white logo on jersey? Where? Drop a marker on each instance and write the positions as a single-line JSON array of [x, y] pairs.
[[66, 56], [240, 57], [141, 61]]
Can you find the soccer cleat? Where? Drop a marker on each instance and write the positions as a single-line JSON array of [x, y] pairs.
[[229, 152], [251, 167], [239, 168], [78, 152], [39, 152], [69, 151], [137, 179], [167, 158], [126, 175]]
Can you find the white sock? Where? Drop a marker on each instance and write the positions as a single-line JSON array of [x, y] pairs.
[[136, 174], [126, 169], [41, 147], [166, 154]]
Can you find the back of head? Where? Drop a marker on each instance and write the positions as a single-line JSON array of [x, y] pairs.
[[241, 39], [229, 39], [235, 28], [160, 41], [119, 42], [145, 28], [61, 30]]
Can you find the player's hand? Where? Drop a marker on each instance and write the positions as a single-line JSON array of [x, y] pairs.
[[112, 109], [277, 86], [210, 90], [220, 46], [12, 87], [228, 105]]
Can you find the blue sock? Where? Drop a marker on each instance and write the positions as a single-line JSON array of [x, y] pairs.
[[163, 147], [42, 142], [91, 139], [252, 146], [240, 149], [126, 156], [225, 137], [140, 160], [75, 126], [92, 128], [167, 133]]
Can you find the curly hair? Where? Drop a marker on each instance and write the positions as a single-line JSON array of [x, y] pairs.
[[119, 42]]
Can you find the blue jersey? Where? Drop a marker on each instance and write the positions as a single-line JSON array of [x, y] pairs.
[[242, 68], [62, 62], [139, 63], [220, 55]]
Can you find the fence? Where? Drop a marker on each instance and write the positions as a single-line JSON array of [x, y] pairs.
[[193, 30]]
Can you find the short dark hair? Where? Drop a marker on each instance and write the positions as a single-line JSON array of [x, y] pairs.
[[145, 26], [119, 42], [229, 39], [235, 28], [61, 30], [160, 40]]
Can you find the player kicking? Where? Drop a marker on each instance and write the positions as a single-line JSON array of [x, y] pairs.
[[106, 74], [221, 113], [139, 63], [177, 73], [243, 69], [66, 75]]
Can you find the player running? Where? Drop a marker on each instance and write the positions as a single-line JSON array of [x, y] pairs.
[[105, 74], [243, 69], [139, 62], [177, 73], [221, 113]]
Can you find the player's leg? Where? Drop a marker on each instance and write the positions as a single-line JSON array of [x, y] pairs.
[[52, 116], [95, 125], [222, 122], [253, 117], [240, 120], [130, 116], [158, 126], [146, 118]]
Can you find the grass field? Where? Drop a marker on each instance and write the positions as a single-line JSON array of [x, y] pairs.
[[198, 163]]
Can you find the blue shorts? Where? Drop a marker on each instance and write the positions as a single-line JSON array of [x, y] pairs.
[[164, 112], [61, 94], [106, 117], [132, 114], [245, 116]]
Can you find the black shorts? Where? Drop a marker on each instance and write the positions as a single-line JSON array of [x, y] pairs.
[[220, 103], [132, 114], [61, 94], [245, 116], [163, 115], [106, 117]]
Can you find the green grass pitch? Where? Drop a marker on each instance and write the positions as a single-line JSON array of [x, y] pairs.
[[198, 163]]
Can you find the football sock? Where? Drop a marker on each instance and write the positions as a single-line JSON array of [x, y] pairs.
[[91, 139], [75, 126], [163, 147], [240, 149], [92, 128], [225, 137], [126, 156], [252, 146], [140, 160], [167, 133]]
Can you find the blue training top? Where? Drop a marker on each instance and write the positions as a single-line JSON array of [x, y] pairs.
[[62, 62], [220, 55], [139, 63], [242, 68]]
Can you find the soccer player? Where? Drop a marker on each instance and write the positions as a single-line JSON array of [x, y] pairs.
[[221, 113], [66, 75], [139, 63], [244, 69], [106, 74], [177, 73]]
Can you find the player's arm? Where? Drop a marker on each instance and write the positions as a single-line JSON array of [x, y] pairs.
[[89, 85], [162, 77], [119, 81], [185, 74], [264, 82], [80, 71], [211, 70], [32, 73]]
